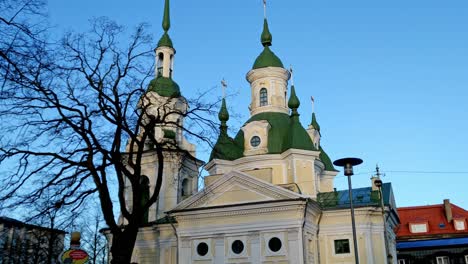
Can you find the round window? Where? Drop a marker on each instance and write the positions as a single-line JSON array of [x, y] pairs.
[[274, 244], [202, 249], [237, 246], [255, 141]]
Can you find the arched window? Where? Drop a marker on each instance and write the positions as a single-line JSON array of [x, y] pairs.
[[185, 190], [172, 65], [159, 65], [263, 97]]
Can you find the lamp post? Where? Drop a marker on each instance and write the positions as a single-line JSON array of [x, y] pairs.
[[347, 164], [378, 183]]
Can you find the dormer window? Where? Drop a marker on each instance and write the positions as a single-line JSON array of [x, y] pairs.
[[263, 97], [459, 224], [418, 228]]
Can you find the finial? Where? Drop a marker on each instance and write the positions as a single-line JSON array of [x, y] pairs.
[[293, 101], [166, 24], [266, 35], [292, 75], [377, 170], [224, 86]]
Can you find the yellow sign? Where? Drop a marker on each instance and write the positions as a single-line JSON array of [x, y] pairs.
[[74, 256]]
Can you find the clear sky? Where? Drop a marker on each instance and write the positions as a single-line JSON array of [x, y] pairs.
[[390, 78]]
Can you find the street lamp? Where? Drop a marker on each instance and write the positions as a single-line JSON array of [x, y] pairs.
[[378, 183], [347, 164]]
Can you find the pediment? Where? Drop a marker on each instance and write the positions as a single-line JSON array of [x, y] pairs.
[[236, 188]]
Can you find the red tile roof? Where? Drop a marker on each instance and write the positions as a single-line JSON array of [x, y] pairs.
[[434, 215]]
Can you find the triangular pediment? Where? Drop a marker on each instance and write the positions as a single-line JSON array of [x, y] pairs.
[[236, 188]]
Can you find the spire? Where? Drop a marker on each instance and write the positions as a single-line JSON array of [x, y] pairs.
[[293, 102], [267, 58], [165, 40], [166, 24], [225, 148], [266, 37], [314, 123]]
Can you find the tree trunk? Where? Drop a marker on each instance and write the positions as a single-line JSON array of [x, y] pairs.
[[122, 245]]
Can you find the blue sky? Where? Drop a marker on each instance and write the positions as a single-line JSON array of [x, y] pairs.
[[390, 78]]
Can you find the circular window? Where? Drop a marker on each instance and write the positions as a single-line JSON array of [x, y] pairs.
[[274, 244], [202, 249], [255, 141], [237, 246]]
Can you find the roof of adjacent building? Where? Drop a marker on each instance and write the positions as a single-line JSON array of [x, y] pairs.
[[16, 223], [436, 218], [362, 197]]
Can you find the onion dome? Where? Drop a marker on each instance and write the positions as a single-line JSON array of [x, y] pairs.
[[267, 58]]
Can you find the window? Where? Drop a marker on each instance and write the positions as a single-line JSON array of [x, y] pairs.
[[255, 141], [263, 97], [418, 228], [342, 246], [275, 244], [401, 261], [185, 187], [202, 249], [459, 224], [442, 260], [237, 247], [159, 64]]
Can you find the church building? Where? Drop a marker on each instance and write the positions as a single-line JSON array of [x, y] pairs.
[[269, 196]]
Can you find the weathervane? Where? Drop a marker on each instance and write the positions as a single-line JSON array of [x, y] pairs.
[[224, 86]]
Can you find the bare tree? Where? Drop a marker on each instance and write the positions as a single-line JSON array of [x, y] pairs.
[[68, 110]]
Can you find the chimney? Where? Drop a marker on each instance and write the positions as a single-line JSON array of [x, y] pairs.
[[448, 210]]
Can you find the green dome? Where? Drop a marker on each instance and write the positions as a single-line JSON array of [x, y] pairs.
[[164, 86], [267, 59], [165, 41], [225, 147]]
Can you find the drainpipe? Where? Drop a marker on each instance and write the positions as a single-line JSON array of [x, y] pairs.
[[177, 238], [304, 251], [317, 236]]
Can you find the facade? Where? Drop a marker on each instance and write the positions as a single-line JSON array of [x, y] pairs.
[[435, 234], [28, 244], [269, 196]]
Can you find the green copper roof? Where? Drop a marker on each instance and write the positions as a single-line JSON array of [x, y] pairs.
[[314, 123], [165, 40], [164, 86], [223, 114], [267, 58], [293, 101], [326, 160], [225, 147], [266, 37], [298, 137]]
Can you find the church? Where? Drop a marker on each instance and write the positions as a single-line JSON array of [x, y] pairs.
[[269, 196]]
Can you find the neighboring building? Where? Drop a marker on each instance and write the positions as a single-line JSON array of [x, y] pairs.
[[28, 244], [435, 234], [269, 196]]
